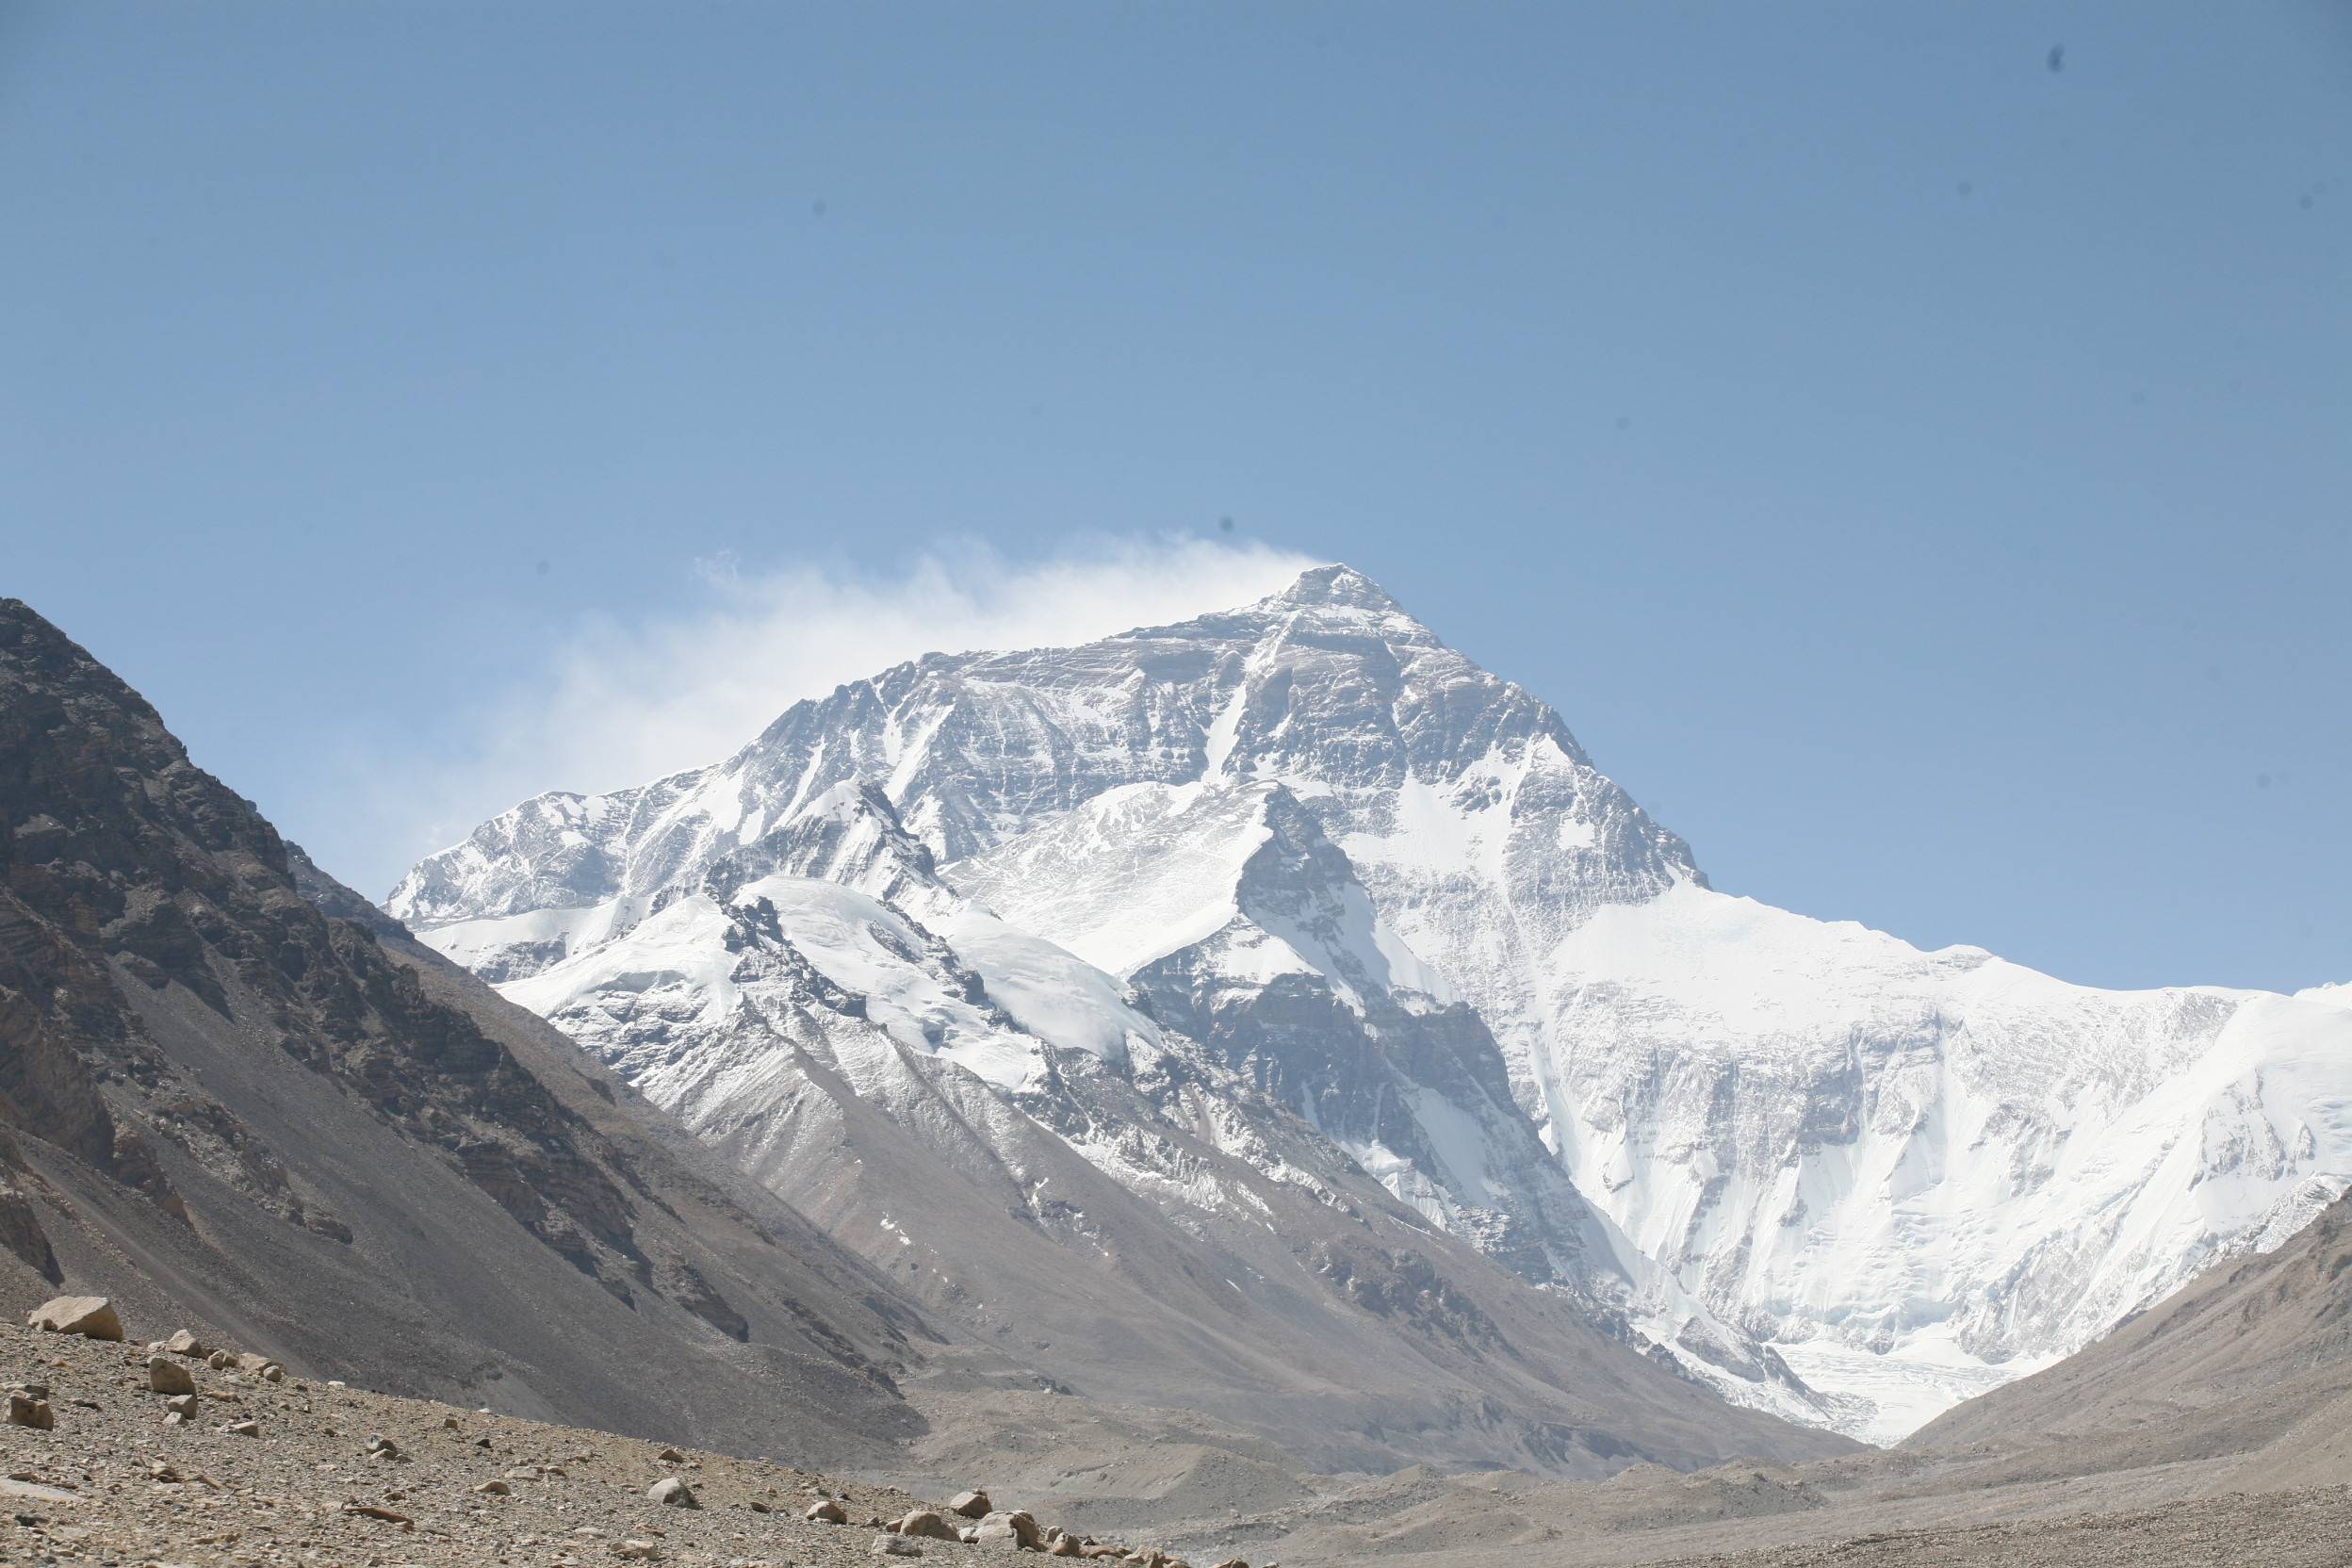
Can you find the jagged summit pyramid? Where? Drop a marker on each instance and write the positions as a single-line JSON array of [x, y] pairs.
[[1303, 834], [1339, 585]]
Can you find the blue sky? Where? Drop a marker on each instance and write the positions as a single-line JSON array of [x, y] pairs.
[[1922, 475]]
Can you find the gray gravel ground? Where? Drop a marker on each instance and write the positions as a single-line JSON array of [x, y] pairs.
[[113, 1483]]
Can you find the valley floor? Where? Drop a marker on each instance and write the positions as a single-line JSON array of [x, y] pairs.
[[1213, 1495], [2277, 1529]]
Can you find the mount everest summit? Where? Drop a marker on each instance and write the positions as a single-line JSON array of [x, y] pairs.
[[1127, 1002]]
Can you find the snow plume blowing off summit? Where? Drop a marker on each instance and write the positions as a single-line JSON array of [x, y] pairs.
[[1299, 858], [613, 702]]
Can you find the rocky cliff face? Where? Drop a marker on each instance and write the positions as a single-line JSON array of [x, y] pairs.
[[230, 1108], [1317, 849]]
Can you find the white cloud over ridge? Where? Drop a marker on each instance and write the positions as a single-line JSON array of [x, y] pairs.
[[621, 702]]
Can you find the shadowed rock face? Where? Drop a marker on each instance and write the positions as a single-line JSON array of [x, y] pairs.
[[305, 1131]]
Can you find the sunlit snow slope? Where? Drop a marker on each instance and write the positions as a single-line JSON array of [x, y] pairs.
[[1915, 1174]]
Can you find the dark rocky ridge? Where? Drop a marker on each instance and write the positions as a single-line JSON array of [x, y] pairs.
[[312, 1136]]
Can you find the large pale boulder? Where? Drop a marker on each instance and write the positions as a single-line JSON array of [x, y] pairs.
[[165, 1375], [90, 1317], [826, 1512], [672, 1493], [973, 1505], [926, 1522], [1009, 1531]]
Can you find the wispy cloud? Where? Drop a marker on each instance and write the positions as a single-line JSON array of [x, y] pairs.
[[621, 701]]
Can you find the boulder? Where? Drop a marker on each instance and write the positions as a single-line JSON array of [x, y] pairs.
[[186, 1344], [243, 1428], [90, 1317], [973, 1505], [165, 1375], [826, 1512], [220, 1361], [894, 1545], [494, 1489], [672, 1493], [926, 1524], [1009, 1531], [25, 1410], [185, 1406]]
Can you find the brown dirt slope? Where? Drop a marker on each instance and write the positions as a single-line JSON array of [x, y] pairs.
[[307, 1134], [2253, 1359]]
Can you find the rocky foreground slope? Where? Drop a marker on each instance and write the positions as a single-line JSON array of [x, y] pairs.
[[253, 1464], [1304, 846], [223, 1108]]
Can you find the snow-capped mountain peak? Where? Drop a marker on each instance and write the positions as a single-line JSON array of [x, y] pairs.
[[1916, 1174], [1343, 587]]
